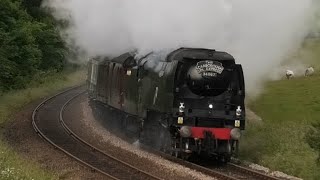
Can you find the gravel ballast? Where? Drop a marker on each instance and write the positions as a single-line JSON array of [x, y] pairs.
[[21, 136], [79, 113]]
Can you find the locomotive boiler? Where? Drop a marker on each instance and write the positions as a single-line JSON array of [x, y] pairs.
[[188, 101]]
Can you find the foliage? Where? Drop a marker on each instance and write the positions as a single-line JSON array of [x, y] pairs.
[[30, 43]]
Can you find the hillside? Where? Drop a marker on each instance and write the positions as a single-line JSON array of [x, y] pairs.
[[288, 109]]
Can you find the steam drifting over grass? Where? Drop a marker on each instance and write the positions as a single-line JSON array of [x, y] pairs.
[[259, 34]]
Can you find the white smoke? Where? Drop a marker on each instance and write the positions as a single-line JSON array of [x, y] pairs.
[[258, 33]]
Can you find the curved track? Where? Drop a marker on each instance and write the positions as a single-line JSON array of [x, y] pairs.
[[47, 121], [228, 172]]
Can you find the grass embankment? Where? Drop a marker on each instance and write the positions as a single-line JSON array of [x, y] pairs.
[[12, 166], [288, 109]]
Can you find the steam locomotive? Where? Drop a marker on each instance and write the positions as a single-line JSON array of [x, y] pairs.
[[188, 101]]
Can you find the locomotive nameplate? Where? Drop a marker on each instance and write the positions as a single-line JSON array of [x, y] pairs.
[[209, 68]]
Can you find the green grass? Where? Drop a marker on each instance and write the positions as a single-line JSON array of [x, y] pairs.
[[310, 52], [288, 109], [12, 166]]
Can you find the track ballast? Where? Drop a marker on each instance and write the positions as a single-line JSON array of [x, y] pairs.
[[47, 121]]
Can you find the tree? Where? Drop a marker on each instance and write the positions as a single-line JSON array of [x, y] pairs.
[[20, 55], [30, 43]]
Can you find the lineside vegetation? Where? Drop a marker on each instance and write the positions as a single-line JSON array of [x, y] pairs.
[[12, 165], [289, 108], [32, 65], [30, 43]]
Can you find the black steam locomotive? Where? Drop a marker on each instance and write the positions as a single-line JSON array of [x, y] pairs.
[[186, 101]]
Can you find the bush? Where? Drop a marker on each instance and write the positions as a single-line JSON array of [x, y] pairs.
[[30, 43]]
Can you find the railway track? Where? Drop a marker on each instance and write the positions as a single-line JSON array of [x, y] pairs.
[[230, 171], [247, 173], [48, 122]]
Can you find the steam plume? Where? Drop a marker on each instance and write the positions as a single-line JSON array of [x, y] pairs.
[[258, 33]]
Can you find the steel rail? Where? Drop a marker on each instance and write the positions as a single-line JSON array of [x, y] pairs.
[[199, 168], [228, 172], [73, 134], [249, 171], [208, 171], [42, 135], [65, 143]]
